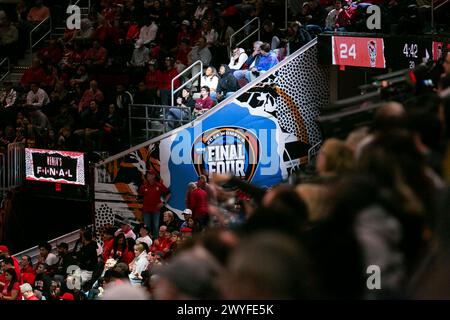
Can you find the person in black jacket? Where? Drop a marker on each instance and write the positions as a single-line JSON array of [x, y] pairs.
[[185, 106], [227, 84]]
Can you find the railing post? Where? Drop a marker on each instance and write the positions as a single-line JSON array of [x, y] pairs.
[[129, 124], [146, 122]]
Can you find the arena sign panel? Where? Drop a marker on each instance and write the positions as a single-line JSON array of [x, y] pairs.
[[54, 166]]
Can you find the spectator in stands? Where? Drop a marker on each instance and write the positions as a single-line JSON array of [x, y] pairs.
[[446, 64], [35, 74], [86, 31], [38, 13], [8, 96], [266, 61], [210, 79], [185, 33], [95, 57], [167, 75], [209, 33], [163, 244], [144, 236], [11, 289], [27, 292], [237, 59], [47, 257], [10, 263], [139, 60], [51, 54], [93, 93], [26, 265], [187, 214], [170, 222], [42, 281], [251, 60], [139, 265], [126, 229], [40, 124], [198, 204], [227, 84], [147, 93], [297, 36], [318, 15], [65, 260], [268, 35], [119, 250], [148, 31], [330, 21], [200, 10], [9, 37], [204, 103], [91, 123], [335, 157], [185, 106], [181, 57], [199, 52], [152, 191], [112, 127], [122, 100], [87, 256]]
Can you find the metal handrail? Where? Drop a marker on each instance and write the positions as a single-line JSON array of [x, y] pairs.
[[48, 19], [8, 70], [440, 4], [198, 74], [147, 118], [70, 238], [15, 164], [2, 173], [248, 36]]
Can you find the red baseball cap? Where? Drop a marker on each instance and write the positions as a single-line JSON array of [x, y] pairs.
[[152, 172], [67, 296], [3, 248]]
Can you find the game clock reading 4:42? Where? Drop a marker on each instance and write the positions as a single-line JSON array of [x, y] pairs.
[[408, 53]]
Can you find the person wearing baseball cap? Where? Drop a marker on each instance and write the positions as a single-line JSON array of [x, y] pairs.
[[187, 213], [127, 229], [4, 254], [67, 296], [152, 191]]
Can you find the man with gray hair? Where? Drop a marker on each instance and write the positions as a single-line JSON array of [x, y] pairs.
[[27, 292]]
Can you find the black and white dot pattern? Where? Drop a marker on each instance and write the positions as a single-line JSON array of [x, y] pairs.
[[306, 83], [104, 218]]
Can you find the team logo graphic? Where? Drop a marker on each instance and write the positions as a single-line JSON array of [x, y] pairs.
[[226, 149], [372, 47]]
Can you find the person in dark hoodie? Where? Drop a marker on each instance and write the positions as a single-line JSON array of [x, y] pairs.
[[227, 84]]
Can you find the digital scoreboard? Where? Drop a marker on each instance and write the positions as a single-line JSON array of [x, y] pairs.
[[379, 51]]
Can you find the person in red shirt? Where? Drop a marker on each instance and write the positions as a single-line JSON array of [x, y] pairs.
[[166, 81], [27, 292], [5, 256], [35, 73], [152, 191], [198, 204], [11, 289], [204, 103]]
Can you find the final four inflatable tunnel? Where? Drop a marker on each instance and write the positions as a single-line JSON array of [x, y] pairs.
[[262, 133]]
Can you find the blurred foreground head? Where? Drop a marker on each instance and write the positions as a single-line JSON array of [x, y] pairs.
[[268, 265]]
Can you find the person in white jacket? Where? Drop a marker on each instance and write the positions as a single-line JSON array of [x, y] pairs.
[[237, 59], [138, 265]]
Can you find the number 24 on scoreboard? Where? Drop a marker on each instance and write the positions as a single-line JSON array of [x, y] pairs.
[[345, 52]]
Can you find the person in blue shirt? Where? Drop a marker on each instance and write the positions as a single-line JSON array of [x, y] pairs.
[[267, 60]]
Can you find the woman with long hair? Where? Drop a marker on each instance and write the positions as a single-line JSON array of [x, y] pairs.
[[11, 290]]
